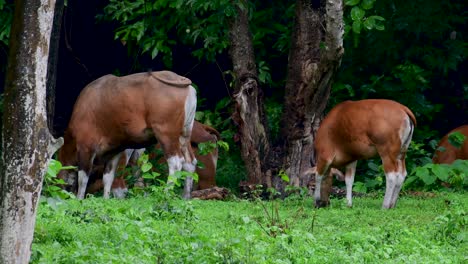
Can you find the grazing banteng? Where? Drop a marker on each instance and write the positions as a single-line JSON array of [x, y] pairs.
[[115, 113], [361, 130], [206, 176], [450, 153]]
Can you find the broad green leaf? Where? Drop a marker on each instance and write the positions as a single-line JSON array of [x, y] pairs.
[[357, 13], [424, 174], [373, 166], [360, 187], [154, 53], [357, 26], [147, 175], [377, 25], [352, 2], [146, 167], [456, 139], [223, 144], [441, 172], [369, 24], [195, 176], [367, 4], [143, 159]]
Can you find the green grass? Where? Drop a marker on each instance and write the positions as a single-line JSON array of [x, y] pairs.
[[152, 230]]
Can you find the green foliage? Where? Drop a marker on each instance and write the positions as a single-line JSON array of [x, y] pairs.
[[51, 185], [456, 139], [153, 177], [357, 20], [451, 226], [164, 229], [151, 26], [6, 17], [431, 176]]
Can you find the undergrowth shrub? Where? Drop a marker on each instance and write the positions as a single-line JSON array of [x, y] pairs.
[[451, 226]]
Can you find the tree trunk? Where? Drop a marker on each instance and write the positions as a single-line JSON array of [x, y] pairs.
[[249, 114], [26, 142], [52, 63], [315, 55]]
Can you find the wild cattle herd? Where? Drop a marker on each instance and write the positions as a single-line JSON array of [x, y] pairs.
[[115, 118]]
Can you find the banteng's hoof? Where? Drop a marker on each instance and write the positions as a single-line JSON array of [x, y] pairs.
[[321, 204]]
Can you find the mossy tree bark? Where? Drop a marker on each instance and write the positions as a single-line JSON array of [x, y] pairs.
[[26, 141], [249, 114]]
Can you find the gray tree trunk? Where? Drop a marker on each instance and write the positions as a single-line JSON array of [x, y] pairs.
[[249, 114], [314, 57], [27, 144]]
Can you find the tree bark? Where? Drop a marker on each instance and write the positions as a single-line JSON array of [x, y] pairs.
[[27, 144], [315, 55], [249, 114], [52, 63]]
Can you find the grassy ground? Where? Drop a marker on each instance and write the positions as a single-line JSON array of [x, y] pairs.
[[152, 230]]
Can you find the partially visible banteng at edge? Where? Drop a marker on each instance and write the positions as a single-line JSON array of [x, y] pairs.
[[115, 113], [447, 153], [355, 130]]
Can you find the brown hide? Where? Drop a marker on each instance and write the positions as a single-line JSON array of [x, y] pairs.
[[115, 113], [355, 130], [206, 176], [200, 133], [450, 152]]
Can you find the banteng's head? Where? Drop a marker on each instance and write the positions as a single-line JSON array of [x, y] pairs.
[[67, 156]]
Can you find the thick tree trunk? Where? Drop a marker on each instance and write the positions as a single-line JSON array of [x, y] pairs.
[[52, 63], [249, 114], [26, 142], [315, 55]]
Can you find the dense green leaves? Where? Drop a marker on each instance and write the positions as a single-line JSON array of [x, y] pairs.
[[436, 176], [6, 17]]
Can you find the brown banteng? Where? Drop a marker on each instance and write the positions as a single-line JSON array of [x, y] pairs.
[[206, 174], [450, 153], [360, 130], [116, 113]]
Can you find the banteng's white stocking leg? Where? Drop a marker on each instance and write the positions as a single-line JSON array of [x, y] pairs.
[[349, 179], [85, 162], [109, 173], [400, 178], [391, 178], [82, 183], [319, 178], [190, 161], [406, 134]]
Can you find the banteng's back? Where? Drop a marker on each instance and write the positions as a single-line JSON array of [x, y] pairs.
[[115, 113]]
